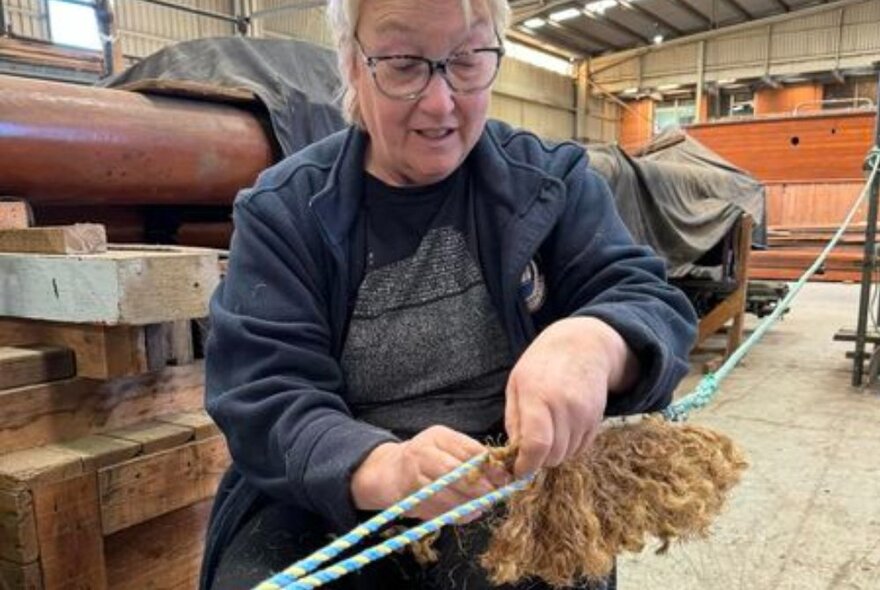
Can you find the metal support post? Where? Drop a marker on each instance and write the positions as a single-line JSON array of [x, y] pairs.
[[869, 262]]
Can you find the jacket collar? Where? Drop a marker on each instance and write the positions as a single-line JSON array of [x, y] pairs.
[[510, 187]]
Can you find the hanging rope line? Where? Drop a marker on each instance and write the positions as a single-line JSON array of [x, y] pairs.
[[707, 388], [299, 576]]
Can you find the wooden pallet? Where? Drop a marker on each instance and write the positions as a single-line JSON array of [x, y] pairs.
[[123, 509], [107, 460]]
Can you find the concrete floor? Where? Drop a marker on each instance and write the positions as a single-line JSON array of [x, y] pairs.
[[807, 514]]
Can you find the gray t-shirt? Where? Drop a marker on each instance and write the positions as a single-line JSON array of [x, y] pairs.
[[424, 345]]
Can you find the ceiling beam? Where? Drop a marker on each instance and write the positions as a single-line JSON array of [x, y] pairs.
[[739, 8], [782, 5], [576, 37], [619, 27], [653, 17], [520, 16], [530, 38], [745, 26], [693, 12]]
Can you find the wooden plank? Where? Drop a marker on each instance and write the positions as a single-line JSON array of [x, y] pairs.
[[18, 530], [99, 451], [69, 530], [65, 410], [13, 215], [165, 552], [202, 425], [15, 576], [36, 363], [150, 486], [102, 352], [169, 343], [80, 238], [132, 286], [794, 148], [25, 469], [153, 436]]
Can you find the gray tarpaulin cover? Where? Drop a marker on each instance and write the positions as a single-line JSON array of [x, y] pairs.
[[296, 82], [680, 198]]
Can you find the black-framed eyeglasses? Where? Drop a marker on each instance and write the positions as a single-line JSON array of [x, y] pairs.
[[405, 77]]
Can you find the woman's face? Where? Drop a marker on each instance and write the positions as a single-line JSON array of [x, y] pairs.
[[421, 141]]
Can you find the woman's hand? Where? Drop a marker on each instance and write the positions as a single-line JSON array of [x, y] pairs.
[[557, 391], [393, 471]]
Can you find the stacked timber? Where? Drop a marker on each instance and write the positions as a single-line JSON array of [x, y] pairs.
[[107, 460], [793, 249], [41, 53]]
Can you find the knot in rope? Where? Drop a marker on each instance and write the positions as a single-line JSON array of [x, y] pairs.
[[700, 397]]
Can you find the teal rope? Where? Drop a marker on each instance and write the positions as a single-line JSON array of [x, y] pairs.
[[292, 578], [707, 388]]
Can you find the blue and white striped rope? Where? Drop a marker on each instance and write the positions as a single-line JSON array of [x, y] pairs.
[[353, 537], [294, 577], [336, 571], [707, 388]]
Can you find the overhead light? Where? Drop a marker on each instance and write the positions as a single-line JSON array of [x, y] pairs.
[[658, 39], [599, 6], [535, 23], [629, 91], [726, 81], [566, 14], [664, 87]]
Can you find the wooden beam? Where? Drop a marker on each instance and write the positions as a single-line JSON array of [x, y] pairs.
[[81, 238], [165, 552], [28, 468], [102, 352], [199, 421], [170, 343], [98, 451], [69, 532], [134, 286], [71, 409], [153, 436], [18, 529], [14, 215], [37, 363], [153, 485], [14, 575]]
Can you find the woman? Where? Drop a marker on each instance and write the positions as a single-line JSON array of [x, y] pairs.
[[403, 290]]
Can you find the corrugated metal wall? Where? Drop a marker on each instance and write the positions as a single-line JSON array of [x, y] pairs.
[[306, 25], [145, 28], [534, 98], [27, 18], [838, 38]]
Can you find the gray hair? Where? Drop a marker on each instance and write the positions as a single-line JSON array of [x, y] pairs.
[[343, 16]]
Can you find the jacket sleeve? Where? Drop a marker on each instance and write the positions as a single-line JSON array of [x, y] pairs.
[[597, 270], [272, 384]]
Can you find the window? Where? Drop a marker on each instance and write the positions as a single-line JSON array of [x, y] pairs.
[[674, 113], [853, 92], [736, 102], [74, 24]]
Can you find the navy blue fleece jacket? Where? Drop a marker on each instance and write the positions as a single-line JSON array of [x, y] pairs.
[[278, 320]]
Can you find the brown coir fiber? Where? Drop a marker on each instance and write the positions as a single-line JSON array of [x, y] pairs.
[[648, 479]]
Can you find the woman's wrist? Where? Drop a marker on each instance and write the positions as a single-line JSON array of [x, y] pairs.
[[373, 483]]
